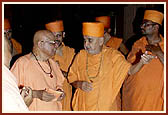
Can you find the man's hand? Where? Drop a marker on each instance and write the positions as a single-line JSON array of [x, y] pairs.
[[62, 96], [86, 86], [146, 58], [83, 85], [27, 95], [155, 49], [43, 95]]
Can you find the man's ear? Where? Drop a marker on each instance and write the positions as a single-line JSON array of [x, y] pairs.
[[63, 34], [40, 44], [101, 41], [109, 30], [156, 27]]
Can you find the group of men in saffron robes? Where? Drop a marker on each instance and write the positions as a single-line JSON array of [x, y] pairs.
[[98, 71]]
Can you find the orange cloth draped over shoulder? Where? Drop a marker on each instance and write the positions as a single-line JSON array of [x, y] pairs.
[[17, 46], [143, 91], [64, 62], [114, 42], [29, 73], [106, 85]]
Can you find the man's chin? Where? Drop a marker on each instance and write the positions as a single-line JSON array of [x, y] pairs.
[[88, 51], [144, 34], [57, 45], [91, 52]]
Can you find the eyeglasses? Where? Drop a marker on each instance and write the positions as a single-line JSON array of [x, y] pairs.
[[58, 36], [7, 31], [145, 24], [50, 42]]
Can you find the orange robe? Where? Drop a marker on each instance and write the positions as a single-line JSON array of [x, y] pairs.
[[114, 42], [17, 46], [64, 62], [29, 73], [143, 91], [107, 83]]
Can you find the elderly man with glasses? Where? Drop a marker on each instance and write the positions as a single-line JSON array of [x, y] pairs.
[[41, 73]]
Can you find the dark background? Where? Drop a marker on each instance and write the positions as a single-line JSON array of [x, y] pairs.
[[26, 19]]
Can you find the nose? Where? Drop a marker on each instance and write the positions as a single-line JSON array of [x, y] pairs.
[[86, 43], [56, 38], [142, 26]]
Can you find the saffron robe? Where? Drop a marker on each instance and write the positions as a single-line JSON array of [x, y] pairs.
[[114, 42], [17, 47], [64, 63], [143, 91], [106, 84], [29, 73]]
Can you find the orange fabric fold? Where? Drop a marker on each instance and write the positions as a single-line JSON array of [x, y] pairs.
[[106, 85], [17, 46], [114, 42], [143, 91], [64, 62], [94, 29]]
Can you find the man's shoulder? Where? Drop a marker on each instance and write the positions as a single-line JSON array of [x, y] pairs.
[[23, 59], [112, 53], [141, 40], [69, 48], [81, 54]]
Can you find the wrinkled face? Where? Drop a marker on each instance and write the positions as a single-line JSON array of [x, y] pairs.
[[147, 27], [48, 44], [93, 45], [8, 33], [58, 38]]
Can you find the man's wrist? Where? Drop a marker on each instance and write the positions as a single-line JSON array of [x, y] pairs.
[[35, 95]]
